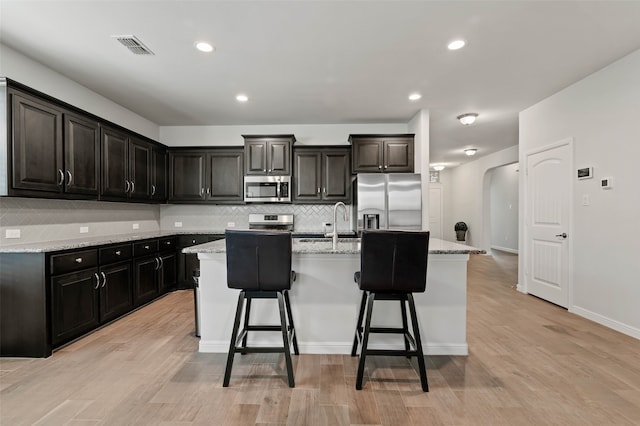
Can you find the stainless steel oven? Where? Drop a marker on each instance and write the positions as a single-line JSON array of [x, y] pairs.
[[267, 189]]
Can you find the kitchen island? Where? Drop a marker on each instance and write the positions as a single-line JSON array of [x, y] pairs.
[[325, 299]]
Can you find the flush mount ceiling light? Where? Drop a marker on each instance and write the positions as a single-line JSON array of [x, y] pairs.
[[438, 168], [203, 46], [468, 118], [470, 151], [415, 96], [456, 44], [242, 98]]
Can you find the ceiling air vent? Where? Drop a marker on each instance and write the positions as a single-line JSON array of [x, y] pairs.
[[133, 44]]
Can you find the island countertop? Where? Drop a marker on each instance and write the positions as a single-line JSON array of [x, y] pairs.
[[345, 246]]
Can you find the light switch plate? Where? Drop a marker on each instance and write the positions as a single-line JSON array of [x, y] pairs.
[[136, 226], [84, 229], [177, 224], [12, 233], [231, 224]]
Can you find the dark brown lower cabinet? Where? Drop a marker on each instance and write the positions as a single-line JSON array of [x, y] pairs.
[[168, 272], [145, 287], [116, 296], [75, 304]]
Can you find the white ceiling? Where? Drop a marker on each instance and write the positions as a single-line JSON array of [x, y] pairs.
[[329, 62]]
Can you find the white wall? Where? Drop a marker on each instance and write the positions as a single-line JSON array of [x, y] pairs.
[[306, 134], [419, 125], [24, 70], [600, 113], [468, 187], [504, 207]]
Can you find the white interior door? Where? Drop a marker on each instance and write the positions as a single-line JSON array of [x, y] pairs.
[[435, 211], [548, 216]]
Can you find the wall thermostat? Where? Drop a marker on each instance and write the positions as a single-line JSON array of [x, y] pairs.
[[606, 183], [585, 173]]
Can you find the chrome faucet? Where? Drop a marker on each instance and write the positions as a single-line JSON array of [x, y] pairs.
[[334, 234]]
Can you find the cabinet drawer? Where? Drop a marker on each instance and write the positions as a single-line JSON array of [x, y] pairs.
[[146, 247], [115, 253], [69, 262], [192, 240], [169, 243]]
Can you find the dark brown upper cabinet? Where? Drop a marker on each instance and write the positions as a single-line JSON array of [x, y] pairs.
[[382, 153], [210, 176], [159, 167], [52, 150], [126, 166], [321, 174], [268, 154]]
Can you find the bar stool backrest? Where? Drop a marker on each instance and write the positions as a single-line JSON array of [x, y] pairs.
[[258, 260], [393, 261]]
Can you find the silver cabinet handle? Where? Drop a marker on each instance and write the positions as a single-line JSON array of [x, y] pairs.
[[385, 166], [318, 190], [161, 263], [126, 188], [202, 191], [153, 190], [193, 241], [118, 253], [69, 177], [78, 260], [61, 173], [380, 167], [325, 190], [146, 247], [208, 191], [133, 187], [97, 281], [157, 263], [104, 279], [264, 170]]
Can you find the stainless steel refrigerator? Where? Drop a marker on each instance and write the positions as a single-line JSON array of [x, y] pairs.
[[389, 201]]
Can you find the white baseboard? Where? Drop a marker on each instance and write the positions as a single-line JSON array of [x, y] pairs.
[[342, 348], [506, 249], [607, 322]]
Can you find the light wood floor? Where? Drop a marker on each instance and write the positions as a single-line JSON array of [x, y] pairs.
[[530, 362]]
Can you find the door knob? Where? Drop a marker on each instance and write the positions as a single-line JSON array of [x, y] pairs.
[[563, 235]]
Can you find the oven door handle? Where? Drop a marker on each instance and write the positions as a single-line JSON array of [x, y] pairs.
[[278, 190]]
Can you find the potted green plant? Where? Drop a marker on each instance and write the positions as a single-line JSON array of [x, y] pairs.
[[461, 231]]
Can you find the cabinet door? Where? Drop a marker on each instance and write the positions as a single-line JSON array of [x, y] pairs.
[[187, 176], [256, 157], [225, 175], [159, 174], [145, 282], [307, 175], [75, 307], [116, 291], [336, 183], [36, 145], [81, 155], [139, 170], [115, 183], [168, 272], [367, 155], [398, 155], [279, 157]]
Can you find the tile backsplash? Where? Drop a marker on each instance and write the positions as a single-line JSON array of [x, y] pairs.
[[53, 220]]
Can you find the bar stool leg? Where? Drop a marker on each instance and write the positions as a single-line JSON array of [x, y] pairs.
[[247, 310], [405, 327], [285, 338], [363, 302], [232, 345], [416, 335], [365, 341], [292, 327]]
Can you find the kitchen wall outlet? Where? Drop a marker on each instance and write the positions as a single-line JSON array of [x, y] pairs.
[[177, 224], [84, 229], [12, 233], [136, 226], [231, 224]]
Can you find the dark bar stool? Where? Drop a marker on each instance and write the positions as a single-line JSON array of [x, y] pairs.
[[393, 266], [259, 264]]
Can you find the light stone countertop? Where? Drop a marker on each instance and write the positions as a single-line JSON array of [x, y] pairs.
[[345, 246], [79, 243]]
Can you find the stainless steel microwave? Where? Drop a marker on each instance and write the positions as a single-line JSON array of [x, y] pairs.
[[267, 189]]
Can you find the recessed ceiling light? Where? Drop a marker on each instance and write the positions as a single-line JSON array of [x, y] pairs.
[[470, 151], [456, 44], [242, 98], [415, 96], [203, 46], [468, 118], [438, 168]]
